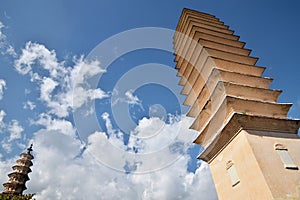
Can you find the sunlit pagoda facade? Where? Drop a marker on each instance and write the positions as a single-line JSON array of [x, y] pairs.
[[19, 176], [252, 148]]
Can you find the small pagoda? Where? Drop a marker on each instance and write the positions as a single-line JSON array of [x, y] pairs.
[[19, 176]]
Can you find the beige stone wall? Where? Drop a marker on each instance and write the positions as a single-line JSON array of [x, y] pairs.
[[259, 167], [252, 184], [283, 183]]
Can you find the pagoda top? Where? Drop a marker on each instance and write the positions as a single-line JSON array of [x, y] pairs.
[[29, 149]]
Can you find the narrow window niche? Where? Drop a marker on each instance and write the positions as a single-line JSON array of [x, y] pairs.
[[232, 173], [285, 157]]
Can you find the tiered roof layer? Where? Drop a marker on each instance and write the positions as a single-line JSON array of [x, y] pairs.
[[225, 89]]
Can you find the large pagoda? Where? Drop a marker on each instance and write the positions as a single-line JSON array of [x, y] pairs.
[[19, 176], [250, 144]]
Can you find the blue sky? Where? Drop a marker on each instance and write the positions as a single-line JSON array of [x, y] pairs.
[[44, 46]]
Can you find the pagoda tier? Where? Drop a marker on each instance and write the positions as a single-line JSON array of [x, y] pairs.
[[15, 188], [22, 169], [19, 176], [225, 89]]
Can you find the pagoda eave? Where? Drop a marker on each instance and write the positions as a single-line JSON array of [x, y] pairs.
[[238, 122]]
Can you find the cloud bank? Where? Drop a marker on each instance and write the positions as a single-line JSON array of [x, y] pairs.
[[65, 169]]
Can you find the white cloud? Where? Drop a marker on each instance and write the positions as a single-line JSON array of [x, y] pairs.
[[47, 87], [5, 166], [115, 137], [15, 130], [81, 96], [132, 99], [128, 97], [11, 51], [200, 182], [35, 53], [5, 47], [62, 88], [11, 132], [83, 70], [2, 87], [2, 36], [175, 182], [105, 117], [29, 105], [53, 124], [2, 115], [6, 146]]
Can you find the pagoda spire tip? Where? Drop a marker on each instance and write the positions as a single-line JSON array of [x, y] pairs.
[[29, 149]]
